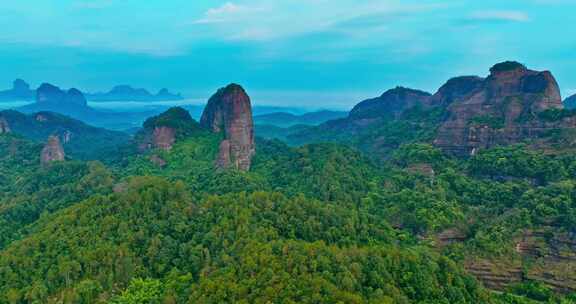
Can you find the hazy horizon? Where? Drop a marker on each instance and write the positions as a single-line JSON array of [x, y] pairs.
[[333, 57]]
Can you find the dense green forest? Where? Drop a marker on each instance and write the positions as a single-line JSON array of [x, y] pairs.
[[317, 223]]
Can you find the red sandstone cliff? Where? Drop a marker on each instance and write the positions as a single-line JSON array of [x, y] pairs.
[[52, 151], [502, 109], [229, 111]]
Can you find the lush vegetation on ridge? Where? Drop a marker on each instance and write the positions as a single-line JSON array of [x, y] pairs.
[[318, 223]]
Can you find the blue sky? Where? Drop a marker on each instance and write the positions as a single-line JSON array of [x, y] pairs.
[[316, 53]]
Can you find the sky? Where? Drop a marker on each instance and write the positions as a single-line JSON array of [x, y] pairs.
[[313, 53]]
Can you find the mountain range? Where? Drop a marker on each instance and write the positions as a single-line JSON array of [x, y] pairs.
[[21, 91], [511, 105], [128, 93], [466, 195]]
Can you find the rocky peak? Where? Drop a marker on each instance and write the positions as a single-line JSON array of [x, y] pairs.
[[50, 94], [507, 68], [163, 130], [74, 96], [456, 89], [20, 87], [128, 90], [4, 127], [501, 109], [52, 151], [229, 111], [392, 103], [570, 102]]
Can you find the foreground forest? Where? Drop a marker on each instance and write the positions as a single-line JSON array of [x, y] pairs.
[[201, 212]]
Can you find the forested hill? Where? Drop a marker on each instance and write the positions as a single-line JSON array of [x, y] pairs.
[[81, 141], [205, 213], [513, 104]]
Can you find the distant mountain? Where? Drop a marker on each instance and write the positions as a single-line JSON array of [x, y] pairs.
[[51, 98], [128, 93], [285, 119], [392, 103], [80, 141], [366, 120], [276, 132], [570, 102], [20, 91], [74, 104]]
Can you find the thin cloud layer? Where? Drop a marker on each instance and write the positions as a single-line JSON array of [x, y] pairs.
[[323, 46], [499, 16]]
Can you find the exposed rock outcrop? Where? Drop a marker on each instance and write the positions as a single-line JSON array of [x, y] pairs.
[[52, 151], [456, 89], [164, 137], [4, 127], [80, 140], [229, 111], [499, 110], [162, 131], [544, 256]]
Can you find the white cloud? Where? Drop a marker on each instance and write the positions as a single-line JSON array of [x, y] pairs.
[[267, 20], [228, 12], [510, 16]]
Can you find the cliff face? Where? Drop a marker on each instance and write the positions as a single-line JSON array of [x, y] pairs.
[[229, 111], [544, 256], [4, 127], [456, 89], [164, 137], [162, 131], [52, 151], [499, 110]]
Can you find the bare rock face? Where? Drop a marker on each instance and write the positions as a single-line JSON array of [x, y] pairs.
[[164, 137], [229, 111], [456, 89], [162, 131], [52, 151], [499, 110], [4, 127], [224, 155]]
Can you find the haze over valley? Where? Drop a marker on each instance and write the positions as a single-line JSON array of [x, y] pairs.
[[159, 152]]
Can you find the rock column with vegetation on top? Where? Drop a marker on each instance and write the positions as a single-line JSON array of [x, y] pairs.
[[504, 108], [229, 112], [162, 131]]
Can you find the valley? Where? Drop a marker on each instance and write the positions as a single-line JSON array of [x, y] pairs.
[[462, 196]]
